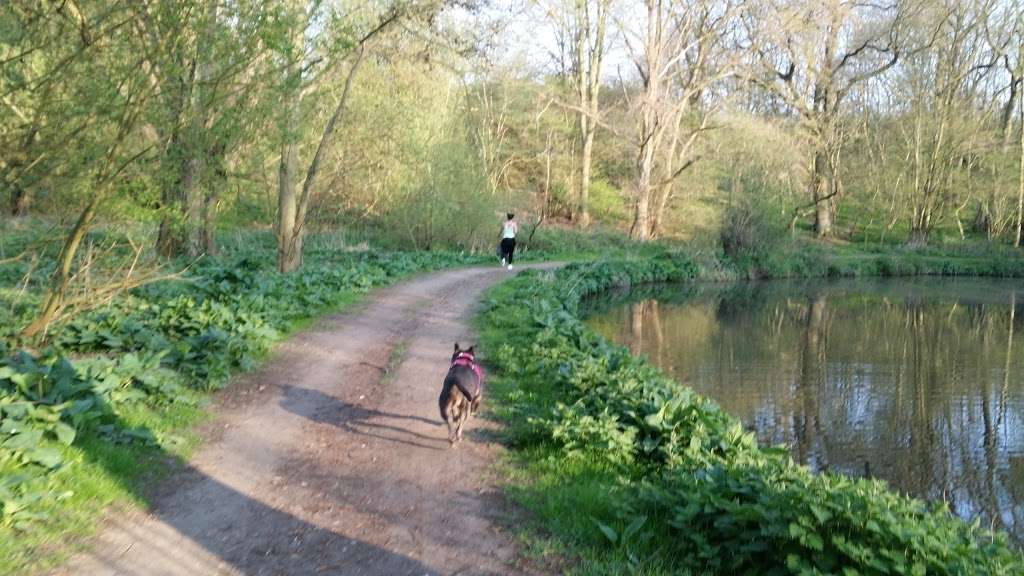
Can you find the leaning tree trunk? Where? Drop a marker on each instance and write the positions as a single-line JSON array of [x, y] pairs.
[[61, 277]]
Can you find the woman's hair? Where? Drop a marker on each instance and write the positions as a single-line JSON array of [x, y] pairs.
[[510, 215]]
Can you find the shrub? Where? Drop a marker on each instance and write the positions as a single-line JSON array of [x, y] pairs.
[[751, 228]]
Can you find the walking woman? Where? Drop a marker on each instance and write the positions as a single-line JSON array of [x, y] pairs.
[[508, 239]]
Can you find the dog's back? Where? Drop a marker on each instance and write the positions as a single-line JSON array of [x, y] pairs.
[[458, 383], [456, 399]]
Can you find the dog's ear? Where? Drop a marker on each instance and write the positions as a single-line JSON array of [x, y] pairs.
[[470, 350], [457, 347]]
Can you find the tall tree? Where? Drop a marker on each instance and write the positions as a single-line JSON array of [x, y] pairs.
[[293, 206], [588, 28], [679, 56], [1020, 182], [182, 76], [811, 54], [198, 55], [942, 128]]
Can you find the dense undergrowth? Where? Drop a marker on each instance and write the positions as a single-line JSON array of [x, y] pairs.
[[99, 407], [632, 472], [101, 404]]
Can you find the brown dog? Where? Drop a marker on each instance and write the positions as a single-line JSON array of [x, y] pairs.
[[460, 394]]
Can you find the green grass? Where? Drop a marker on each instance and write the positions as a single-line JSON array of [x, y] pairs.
[[100, 474], [395, 358], [812, 259]]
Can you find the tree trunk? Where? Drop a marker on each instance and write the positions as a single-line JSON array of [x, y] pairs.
[[641, 229], [658, 210], [209, 233], [193, 197], [291, 209], [170, 242], [62, 275], [588, 57], [821, 194], [289, 231], [649, 125], [1020, 189], [583, 211], [1007, 120], [179, 231], [19, 201], [918, 236], [289, 240]]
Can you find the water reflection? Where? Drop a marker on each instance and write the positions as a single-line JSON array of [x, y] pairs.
[[919, 382]]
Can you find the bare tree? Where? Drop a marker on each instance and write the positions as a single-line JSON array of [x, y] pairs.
[[811, 54], [679, 56], [589, 25], [943, 128]]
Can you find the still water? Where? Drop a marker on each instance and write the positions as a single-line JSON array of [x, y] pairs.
[[919, 382]]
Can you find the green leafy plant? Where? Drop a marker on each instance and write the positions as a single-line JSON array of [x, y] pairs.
[[608, 434], [150, 347]]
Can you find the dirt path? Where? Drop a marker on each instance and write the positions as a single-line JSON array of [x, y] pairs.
[[332, 459]]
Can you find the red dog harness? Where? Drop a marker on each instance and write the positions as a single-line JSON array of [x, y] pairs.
[[464, 359]]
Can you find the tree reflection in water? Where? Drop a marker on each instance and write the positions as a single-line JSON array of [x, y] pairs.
[[919, 382]]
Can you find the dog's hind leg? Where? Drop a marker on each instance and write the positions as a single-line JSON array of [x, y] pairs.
[[452, 427], [463, 416]]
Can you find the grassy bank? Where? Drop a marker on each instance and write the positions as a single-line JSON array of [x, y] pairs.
[[105, 405], [628, 471], [808, 259]]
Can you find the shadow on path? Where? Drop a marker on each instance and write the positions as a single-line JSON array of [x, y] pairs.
[[319, 407], [205, 526]]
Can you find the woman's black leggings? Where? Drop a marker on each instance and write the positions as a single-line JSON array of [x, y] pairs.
[[508, 246]]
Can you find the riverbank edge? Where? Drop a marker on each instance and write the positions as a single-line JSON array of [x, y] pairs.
[[602, 467]]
